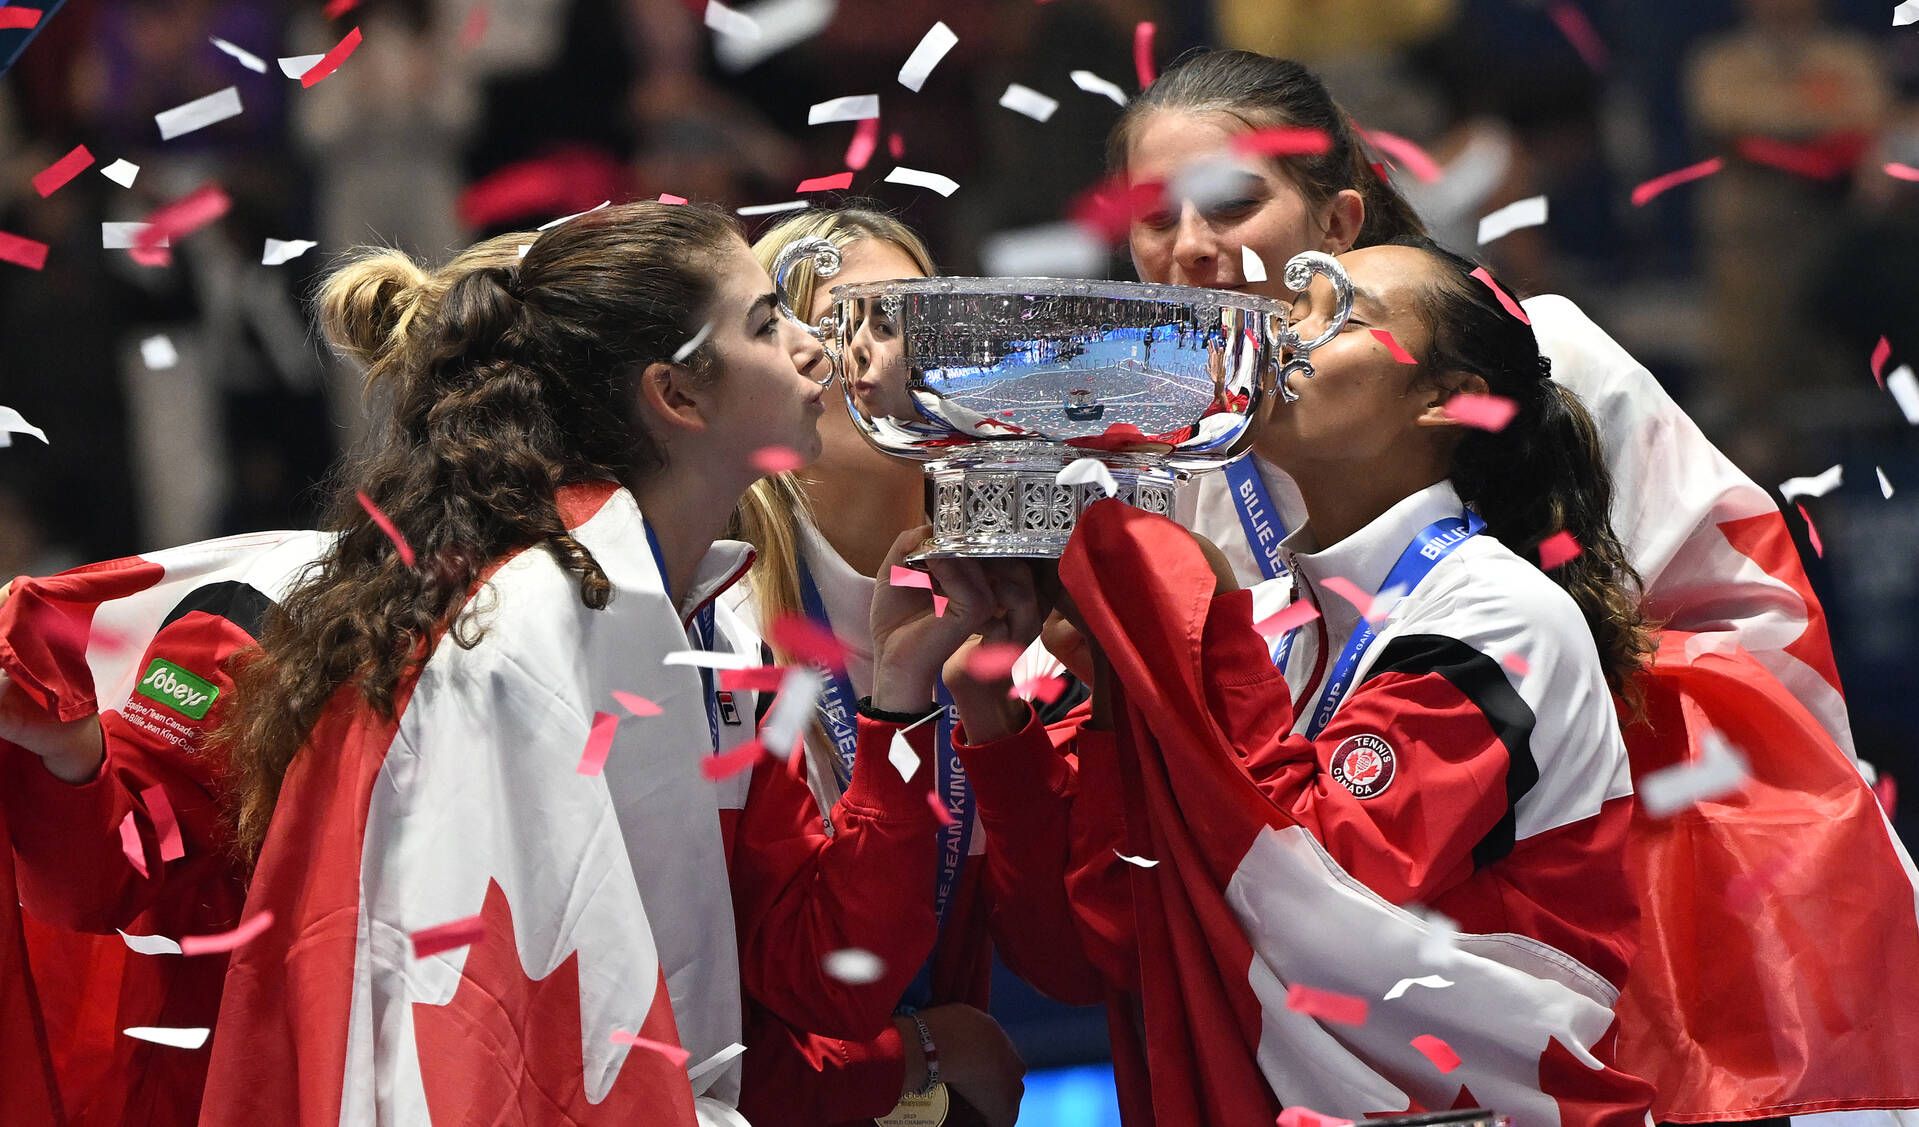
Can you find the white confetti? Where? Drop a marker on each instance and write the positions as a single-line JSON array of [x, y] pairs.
[[150, 944], [121, 172], [1437, 947], [792, 710], [12, 422], [1093, 84], [122, 236], [1817, 486], [552, 223], [932, 181], [1885, 487], [902, 756], [160, 1035], [1717, 772], [248, 59], [770, 208], [1250, 265], [780, 24], [1530, 212], [708, 659], [295, 66], [726, 21], [199, 113], [1906, 13], [1088, 471], [1054, 250], [157, 352], [693, 343], [714, 1063], [854, 966], [280, 251], [1026, 100], [933, 46], [524, 247], [853, 107], [1142, 862], [1432, 981], [1905, 392], [1210, 181]]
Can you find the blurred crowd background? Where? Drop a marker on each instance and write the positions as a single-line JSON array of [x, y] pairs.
[[1756, 295]]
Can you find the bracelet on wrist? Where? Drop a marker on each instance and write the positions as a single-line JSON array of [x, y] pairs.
[[931, 1053]]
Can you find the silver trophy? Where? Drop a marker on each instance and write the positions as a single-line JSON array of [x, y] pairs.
[[999, 384]]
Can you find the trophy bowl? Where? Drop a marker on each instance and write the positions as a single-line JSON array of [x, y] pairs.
[[1000, 384]]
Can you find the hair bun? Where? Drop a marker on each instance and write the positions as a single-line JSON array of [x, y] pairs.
[[363, 303]]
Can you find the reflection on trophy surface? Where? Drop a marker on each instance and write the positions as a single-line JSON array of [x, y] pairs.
[[997, 384]]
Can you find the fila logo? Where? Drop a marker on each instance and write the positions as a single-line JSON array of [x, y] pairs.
[[178, 689], [729, 712]]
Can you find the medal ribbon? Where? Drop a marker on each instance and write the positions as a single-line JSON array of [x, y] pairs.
[[699, 634], [1257, 515]]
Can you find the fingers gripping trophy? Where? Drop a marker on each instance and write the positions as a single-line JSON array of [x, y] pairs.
[[1000, 384]]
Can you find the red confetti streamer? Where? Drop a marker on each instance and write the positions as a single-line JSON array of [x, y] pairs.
[[16, 19], [473, 31], [807, 640], [1045, 689], [1901, 171], [838, 182], [1812, 531], [896, 145], [760, 678], [1815, 161], [1108, 208], [1393, 346], [1579, 31], [1405, 154], [130, 844], [1505, 299], [1437, 1051], [1487, 412], [1557, 550], [910, 577], [1143, 67], [939, 809], [1886, 790], [780, 459], [636, 704], [1327, 1005], [1351, 592], [1880, 352], [331, 61], [1307, 1117], [171, 222], [599, 741], [429, 941], [1291, 617], [1658, 185], [731, 763], [865, 142], [992, 661], [1519, 665], [387, 526], [247, 932], [337, 8], [22, 251], [1282, 141], [166, 826], [670, 1051], [668, 197], [53, 177]]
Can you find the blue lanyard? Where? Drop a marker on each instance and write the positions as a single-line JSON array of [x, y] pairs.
[[699, 634], [837, 701], [1257, 515], [1433, 543]]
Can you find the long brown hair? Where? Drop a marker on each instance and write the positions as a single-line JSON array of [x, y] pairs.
[[1264, 92], [510, 379]]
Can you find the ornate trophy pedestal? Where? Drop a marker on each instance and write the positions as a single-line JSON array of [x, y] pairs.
[[996, 508]]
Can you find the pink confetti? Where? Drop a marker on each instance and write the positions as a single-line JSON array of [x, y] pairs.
[[865, 142], [670, 1051], [1505, 299], [1045, 689], [170, 222], [386, 525], [1288, 618], [53, 177], [1348, 590], [760, 679], [1557, 550], [992, 661], [599, 741], [1658, 185], [1880, 352], [1327, 1005], [247, 932], [1901, 171], [1282, 141], [1812, 531], [337, 8], [1886, 790], [939, 809], [1817, 161], [939, 605], [1108, 208], [636, 704], [1579, 31], [473, 31], [777, 459], [1393, 346], [429, 941], [896, 145], [16, 19], [807, 641], [22, 251], [1143, 67], [1404, 153], [838, 182], [1518, 665], [331, 61], [1307, 1117], [1487, 412], [1437, 1051], [910, 577], [668, 197], [166, 826], [130, 844], [728, 764]]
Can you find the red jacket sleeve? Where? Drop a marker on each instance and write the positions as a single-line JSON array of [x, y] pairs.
[[800, 895], [800, 1080]]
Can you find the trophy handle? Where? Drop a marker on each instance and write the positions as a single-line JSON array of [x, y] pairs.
[[1297, 276], [826, 260]]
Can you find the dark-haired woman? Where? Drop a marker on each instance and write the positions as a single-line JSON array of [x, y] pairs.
[[1743, 647], [1257, 819]]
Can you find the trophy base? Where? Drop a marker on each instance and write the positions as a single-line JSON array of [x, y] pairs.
[[985, 509]]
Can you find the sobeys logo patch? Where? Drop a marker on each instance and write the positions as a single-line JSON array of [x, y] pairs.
[[176, 688]]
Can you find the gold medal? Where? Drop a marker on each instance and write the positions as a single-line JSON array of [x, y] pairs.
[[928, 1110]]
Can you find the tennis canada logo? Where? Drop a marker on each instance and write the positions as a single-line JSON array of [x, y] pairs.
[[1365, 765], [176, 688]]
